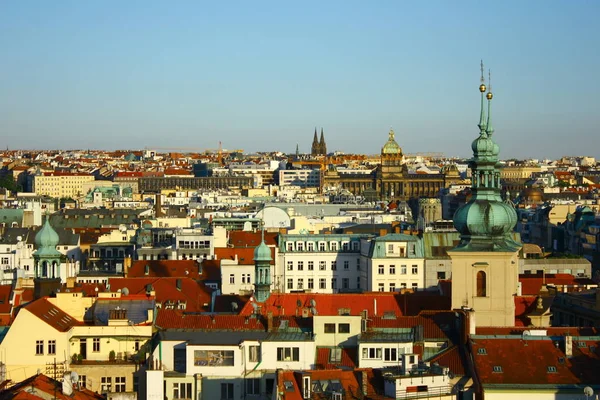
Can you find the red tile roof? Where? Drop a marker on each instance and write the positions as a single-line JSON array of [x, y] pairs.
[[45, 387], [351, 382], [323, 359], [452, 358], [551, 331], [251, 239], [532, 284], [5, 299], [194, 294], [524, 305], [436, 324], [243, 255], [177, 319], [376, 303], [52, 315], [165, 268], [530, 367]]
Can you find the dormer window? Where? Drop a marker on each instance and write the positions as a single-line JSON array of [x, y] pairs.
[[334, 246], [345, 246], [551, 369], [290, 246], [322, 246], [310, 246], [481, 351], [497, 368], [355, 246], [300, 246]]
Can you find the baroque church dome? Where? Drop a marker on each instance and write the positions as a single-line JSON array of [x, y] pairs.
[[262, 252], [391, 147], [47, 236]]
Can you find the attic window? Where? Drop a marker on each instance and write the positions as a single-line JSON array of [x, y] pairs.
[[551, 369], [581, 344], [481, 350], [498, 368], [335, 355], [561, 360], [289, 386]]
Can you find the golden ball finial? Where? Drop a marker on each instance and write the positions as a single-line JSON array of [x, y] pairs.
[[482, 88], [489, 95]]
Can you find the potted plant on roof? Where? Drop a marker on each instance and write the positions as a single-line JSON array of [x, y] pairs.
[[112, 356]]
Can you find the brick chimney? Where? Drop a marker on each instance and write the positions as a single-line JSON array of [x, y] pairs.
[[270, 321]]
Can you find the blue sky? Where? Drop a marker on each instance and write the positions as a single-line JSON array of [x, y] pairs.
[[261, 75]]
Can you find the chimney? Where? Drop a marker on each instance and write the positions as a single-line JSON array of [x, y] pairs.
[[126, 266], [364, 382], [472, 322], [147, 270], [569, 346], [270, 321], [178, 284]]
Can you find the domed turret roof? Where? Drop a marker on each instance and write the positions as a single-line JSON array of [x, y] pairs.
[[262, 252], [485, 218], [47, 236], [391, 146]]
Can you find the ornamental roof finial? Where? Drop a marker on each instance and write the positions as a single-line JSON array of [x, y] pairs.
[[489, 96], [482, 90]]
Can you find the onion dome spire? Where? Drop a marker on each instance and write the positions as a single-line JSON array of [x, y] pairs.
[[482, 89], [489, 96]]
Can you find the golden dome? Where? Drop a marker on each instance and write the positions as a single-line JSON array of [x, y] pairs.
[[482, 88], [489, 95]]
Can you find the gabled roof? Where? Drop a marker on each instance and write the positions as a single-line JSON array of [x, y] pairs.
[[535, 356], [165, 268], [45, 387], [52, 315], [192, 293], [532, 284], [348, 356], [327, 381]]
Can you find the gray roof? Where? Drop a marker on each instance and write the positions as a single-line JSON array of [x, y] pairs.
[[137, 310], [203, 337]]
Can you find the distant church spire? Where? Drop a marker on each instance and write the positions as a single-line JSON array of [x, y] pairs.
[[322, 144], [315, 144], [482, 89]]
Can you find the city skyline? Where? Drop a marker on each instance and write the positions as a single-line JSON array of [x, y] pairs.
[[261, 76]]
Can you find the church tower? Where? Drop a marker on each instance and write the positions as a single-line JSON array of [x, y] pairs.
[[262, 271], [485, 263], [47, 261], [315, 145], [322, 145]]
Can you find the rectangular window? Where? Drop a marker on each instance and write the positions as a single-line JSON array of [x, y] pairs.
[[392, 287], [381, 270], [290, 283], [345, 283], [226, 391], [83, 381], [322, 246], [96, 345], [343, 328], [311, 265], [51, 346], [333, 283], [441, 275], [300, 246], [358, 264], [333, 265], [39, 347], [415, 269], [300, 265], [390, 355], [334, 246], [253, 386], [322, 284], [290, 265], [415, 285], [231, 279], [371, 353], [392, 270], [381, 287], [310, 246], [345, 246], [311, 283], [254, 353], [346, 264], [329, 328], [214, 358], [288, 354], [106, 384], [358, 282], [322, 265], [403, 270], [300, 283], [120, 384], [290, 246], [335, 355]]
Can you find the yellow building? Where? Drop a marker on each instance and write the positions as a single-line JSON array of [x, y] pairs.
[[101, 338], [519, 172], [60, 184]]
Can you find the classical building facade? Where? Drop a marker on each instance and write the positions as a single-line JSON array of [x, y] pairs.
[[391, 180]]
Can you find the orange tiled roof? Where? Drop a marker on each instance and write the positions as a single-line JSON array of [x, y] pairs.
[[251, 239], [165, 268], [45, 387], [52, 315], [244, 255]]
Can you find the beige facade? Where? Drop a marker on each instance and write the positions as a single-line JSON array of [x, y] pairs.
[[60, 185], [519, 172], [487, 283]]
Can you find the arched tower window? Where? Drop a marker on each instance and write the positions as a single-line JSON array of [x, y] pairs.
[[481, 284]]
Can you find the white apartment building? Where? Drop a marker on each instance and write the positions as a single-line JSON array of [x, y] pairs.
[[300, 177], [60, 184], [392, 262], [328, 263]]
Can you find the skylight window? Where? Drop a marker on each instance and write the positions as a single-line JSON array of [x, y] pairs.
[[561, 360], [481, 350], [582, 344], [551, 369], [497, 368]]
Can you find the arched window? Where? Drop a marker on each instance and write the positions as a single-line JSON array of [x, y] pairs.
[[481, 284]]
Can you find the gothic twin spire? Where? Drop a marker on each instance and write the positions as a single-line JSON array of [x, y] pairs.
[[319, 147]]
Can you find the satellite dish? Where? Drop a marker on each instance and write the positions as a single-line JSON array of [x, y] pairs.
[[298, 303], [234, 306], [588, 391], [74, 377], [125, 291], [450, 374], [313, 303], [313, 310], [526, 333]]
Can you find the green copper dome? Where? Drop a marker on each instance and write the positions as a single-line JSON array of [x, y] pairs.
[[262, 252], [47, 236], [391, 146], [486, 222]]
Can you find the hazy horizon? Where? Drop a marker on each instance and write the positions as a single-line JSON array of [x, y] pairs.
[[261, 76]]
